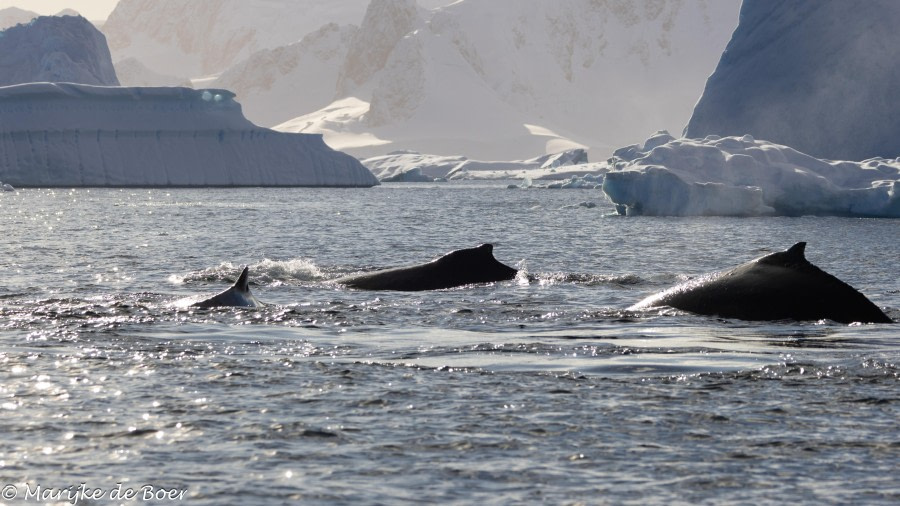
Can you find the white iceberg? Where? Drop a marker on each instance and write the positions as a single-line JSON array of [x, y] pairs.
[[819, 76], [394, 165], [414, 166], [63, 134], [741, 176], [57, 49]]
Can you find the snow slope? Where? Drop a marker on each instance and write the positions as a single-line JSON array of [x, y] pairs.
[[496, 80], [55, 49], [819, 76], [75, 135], [190, 39], [740, 176]]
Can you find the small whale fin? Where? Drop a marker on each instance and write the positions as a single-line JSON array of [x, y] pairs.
[[797, 251], [793, 257], [243, 282]]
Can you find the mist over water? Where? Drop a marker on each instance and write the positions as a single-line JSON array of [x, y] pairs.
[[540, 389]]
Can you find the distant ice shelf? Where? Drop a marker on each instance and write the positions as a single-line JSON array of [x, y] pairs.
[[63, 134]]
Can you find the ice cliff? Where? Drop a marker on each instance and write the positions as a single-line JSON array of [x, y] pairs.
[[742, 176], [819, 76], [62, 134], [55, 49]]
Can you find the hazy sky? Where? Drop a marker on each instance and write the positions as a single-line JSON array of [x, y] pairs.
[[94, 10]]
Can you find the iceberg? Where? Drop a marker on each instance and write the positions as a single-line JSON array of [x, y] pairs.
[[413, 175], [57, 49], [811, 74], [64, 134], [413, 166], [742, 176], [395, 166]]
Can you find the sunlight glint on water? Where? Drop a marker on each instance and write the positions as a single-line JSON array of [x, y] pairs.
[[540, 389]]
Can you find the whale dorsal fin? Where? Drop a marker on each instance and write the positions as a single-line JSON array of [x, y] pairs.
[[797, 251], [243, 282], [481, 251], [486, 248], [791, 257]]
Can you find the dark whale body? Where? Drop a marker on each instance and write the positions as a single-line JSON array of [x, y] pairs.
[[457, 268], [237, 296], [778, 286]]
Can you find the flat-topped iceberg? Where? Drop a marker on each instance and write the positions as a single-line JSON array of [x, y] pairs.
[[63, 134], [741, 176]]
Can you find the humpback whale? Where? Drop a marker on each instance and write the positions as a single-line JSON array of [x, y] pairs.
[[457, 268], [238, 295], [778, 286]]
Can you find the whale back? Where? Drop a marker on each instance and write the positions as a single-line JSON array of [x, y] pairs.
[[779, 286], [237, 296], [456, 268]]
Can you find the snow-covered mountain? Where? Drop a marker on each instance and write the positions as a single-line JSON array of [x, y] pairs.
[[499, 80], [63, 134], [482, 78], [819, 76], [202, 37], [132, 72], [273, 84], [55, 49], [12, 16]]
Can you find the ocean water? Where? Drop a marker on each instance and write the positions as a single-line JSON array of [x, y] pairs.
[[544, 389]]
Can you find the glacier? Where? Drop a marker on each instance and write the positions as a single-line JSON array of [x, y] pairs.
[[815, 75], [742, 176], [65, 134]]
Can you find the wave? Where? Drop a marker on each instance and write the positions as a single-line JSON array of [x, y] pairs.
[[266, 272]]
